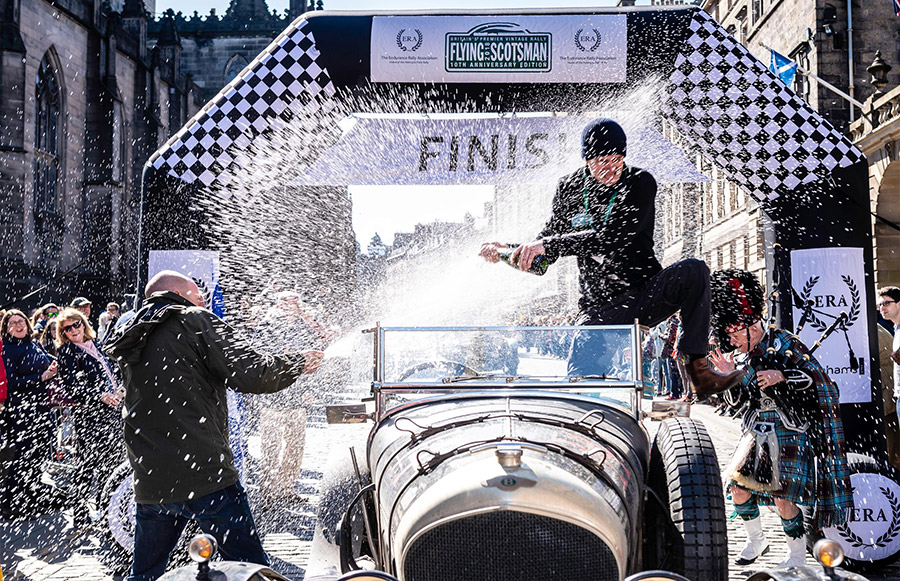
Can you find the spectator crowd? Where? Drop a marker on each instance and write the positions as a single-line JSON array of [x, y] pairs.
[[61, 399], [54, 375]]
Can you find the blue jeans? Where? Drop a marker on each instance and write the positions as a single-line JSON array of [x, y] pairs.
[[224, 514]]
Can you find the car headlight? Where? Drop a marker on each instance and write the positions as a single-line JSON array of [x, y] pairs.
[[656, 576], [828, 552], [202, 548]]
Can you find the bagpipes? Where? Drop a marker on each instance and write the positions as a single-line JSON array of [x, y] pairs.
[[796, 394]]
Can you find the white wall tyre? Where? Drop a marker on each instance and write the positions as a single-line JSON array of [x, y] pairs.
[[871, 538]]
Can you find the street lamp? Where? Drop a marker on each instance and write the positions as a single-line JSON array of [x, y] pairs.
[[879, 71]]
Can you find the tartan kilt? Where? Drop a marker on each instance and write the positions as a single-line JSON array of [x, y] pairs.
[[796, 464]]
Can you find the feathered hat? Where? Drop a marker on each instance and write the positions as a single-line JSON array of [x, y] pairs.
[[737, 302]]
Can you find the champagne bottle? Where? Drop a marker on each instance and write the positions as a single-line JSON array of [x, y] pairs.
[[538, 266]]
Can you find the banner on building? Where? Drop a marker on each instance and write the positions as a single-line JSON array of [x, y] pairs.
[[833, 279], [584, 48]]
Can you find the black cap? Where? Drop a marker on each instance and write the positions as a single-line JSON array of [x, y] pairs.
[[79, 302], [737, 301], [602, 137]]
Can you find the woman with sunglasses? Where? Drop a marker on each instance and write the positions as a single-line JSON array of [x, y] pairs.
[[26, 420], [92, 380]]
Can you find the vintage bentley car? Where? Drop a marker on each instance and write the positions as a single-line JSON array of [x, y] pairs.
[[495, 456]]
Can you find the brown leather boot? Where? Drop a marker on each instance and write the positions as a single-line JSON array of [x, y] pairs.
[[707, 381]]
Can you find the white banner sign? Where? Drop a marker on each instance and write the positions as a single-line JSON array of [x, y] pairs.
[[872, 532], [834, 280], [587, 48], [200, 265], [482, 150]]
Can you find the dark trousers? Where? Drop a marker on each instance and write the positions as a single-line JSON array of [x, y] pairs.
[[28, 437], [100, 446], [673, 377], [224, 514], [683, 286]]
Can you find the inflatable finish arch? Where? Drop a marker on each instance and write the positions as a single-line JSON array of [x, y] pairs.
[[810, 180]]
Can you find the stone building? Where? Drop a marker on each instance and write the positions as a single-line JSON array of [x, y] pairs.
[[833, 39], [878, 136], [89, 89], [718, 222], [84, 100], [214, 48], [715, 221]]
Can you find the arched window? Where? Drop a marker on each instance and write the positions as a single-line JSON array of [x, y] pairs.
[[47, 140], [117, 145], [235, 65]]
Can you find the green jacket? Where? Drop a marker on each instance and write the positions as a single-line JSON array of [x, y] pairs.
[[177, 362]]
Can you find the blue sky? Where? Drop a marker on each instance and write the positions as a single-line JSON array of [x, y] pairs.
[[203, 6]]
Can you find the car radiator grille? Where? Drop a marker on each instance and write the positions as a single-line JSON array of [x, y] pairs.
[[509, 546]]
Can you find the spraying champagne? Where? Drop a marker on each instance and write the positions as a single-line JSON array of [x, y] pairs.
[[538, 266]]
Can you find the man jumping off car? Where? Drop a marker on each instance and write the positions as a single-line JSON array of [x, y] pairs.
[[603, 214]]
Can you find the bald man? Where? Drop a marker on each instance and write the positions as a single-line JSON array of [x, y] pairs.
[[178, 359]]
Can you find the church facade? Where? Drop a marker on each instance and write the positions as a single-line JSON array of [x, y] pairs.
[[89, 89]]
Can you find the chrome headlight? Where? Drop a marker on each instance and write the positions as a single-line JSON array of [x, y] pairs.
[[828, 552], [202, 548]]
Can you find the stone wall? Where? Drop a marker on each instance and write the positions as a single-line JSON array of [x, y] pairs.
[[46, 29], [206, 60], [99, 207]]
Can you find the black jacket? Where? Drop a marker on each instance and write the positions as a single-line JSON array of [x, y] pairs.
[[177, 362], [83, 377], [25, 361], [84, 381], [617, 253]]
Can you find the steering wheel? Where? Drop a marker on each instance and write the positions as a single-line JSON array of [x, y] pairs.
[[451, 368]]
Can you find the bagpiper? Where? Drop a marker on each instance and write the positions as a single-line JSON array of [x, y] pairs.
[[792, 451]]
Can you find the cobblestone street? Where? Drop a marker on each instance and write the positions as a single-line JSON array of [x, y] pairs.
[[47, 548]]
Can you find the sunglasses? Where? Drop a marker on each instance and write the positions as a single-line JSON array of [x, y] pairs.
[[51, 313], [75, 325]]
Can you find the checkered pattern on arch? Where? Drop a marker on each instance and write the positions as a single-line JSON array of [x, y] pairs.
[[284, 80], [745, 119]]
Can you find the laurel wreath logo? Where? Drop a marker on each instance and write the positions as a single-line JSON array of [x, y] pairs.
[[205, 291], [416, 46], [889, 535], [593, 47], [855, 303]]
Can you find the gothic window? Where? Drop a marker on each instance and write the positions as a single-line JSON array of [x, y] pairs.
[[679, 211], [720, 194], [47, 141], [117, 145], [757, 10], [746, 252], [801, 83], [235, 65]]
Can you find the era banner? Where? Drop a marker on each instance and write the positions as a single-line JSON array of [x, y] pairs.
[[833, 279], [587, 48]]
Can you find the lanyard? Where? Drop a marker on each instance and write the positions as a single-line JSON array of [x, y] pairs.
[[609, 206]]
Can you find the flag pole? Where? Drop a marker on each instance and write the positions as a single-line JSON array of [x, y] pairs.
[[825, 84]]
